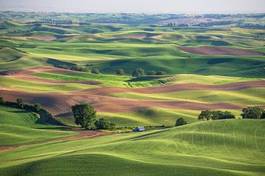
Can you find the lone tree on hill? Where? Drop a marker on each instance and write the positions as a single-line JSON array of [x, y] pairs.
[[253, 113], [85, 115], [180, 121], [138, 72]]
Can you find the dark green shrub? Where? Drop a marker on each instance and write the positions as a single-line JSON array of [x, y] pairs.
[[95, 71], [180, 121], [138, 72], [120, 72], [104, 124]]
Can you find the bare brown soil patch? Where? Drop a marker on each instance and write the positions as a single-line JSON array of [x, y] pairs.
[[211, 50], [86, 134], [28, 75], [136, 36], [139, 36], [193, 86], [59, 103], [6, 148], [46, 38]]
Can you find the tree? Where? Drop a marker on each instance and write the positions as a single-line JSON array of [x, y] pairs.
[[215, 115], [2, 101], [95, 71], [205, 115], [120, 71], [20, 103], [138, 72], [85, 115], [252, 112], [104, 124], [180, 121]]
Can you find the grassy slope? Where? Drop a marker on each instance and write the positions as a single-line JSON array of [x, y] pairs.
[[107, 52], [232, 147], [20, 127], [35, 86], [246, 97]]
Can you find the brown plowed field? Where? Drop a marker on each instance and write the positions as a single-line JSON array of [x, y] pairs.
[[193, 86], [101, 98], [61, 103]]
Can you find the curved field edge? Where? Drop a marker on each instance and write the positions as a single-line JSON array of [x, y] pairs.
[[19, 127]]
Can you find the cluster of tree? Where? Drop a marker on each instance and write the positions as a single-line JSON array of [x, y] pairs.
[[45, 116], [138, 72], [66, 65], [215, 115], [71, 66], [255, 112], [85, 116]]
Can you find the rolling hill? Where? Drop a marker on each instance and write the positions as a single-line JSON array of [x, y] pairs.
[[57, 60], [232, 147]]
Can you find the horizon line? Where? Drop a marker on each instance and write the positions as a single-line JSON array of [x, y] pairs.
[[147, 13]]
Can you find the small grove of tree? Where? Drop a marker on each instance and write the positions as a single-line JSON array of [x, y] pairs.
[[180, 121], [85, 115], [95, 70], [255, 112], [45, 117], [138, 72], [215, 115], [120, 71]]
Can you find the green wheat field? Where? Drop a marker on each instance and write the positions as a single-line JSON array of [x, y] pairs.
[[57, 60]]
